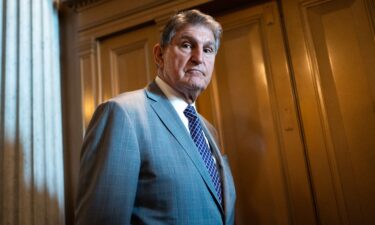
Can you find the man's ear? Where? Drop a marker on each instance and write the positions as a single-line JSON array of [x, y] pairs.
[[158, 56]]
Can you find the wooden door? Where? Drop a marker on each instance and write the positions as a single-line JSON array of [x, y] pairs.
[[251, 101], [119, 62], [333, 59]]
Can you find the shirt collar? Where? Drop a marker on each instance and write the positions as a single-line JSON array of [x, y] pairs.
[[173, 96], [177, 101]]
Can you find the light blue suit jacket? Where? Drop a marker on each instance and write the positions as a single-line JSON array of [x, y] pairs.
[[139, 165]]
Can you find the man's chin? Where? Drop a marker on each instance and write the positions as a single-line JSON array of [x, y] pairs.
[[198, 86], [198, 83]]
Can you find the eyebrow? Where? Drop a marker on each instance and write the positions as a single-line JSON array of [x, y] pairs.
[[191, 38]]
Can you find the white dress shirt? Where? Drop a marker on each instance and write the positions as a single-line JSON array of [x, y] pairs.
[[178, 103], [175, 99]]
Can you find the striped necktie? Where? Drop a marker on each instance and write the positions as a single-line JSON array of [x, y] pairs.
[[196, 134]]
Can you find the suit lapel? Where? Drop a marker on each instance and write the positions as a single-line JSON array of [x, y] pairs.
[[167, 114], [223, 173]]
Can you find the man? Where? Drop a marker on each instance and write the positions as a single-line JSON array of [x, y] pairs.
[[147, 158]]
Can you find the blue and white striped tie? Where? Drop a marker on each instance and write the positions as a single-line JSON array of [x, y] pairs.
[[196, 133]]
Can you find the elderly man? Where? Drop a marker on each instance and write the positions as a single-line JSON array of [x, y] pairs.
[[148, 157]]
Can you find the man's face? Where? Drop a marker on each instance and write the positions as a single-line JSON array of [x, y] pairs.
[[186, 64]]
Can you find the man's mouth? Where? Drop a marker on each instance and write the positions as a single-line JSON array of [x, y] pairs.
[[194, 72]]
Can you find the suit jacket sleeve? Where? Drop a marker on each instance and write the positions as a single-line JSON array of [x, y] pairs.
[[110, 164]]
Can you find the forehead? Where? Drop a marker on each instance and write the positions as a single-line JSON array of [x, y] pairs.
[[196, 32]]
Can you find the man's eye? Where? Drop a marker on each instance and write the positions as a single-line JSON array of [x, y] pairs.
[[208, 50], [186, 45]]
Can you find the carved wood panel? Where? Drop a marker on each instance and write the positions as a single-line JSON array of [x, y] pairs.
[[251, 101], [126, 61], [333, 55], [89, 84]]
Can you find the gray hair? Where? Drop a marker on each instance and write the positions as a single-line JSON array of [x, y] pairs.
[[190, 17]]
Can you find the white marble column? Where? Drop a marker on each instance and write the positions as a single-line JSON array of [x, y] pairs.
[[31, 157]]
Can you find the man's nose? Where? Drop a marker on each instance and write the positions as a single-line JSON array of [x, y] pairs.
[[197, 55]]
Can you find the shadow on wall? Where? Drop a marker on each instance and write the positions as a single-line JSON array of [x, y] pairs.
[[29, 187]]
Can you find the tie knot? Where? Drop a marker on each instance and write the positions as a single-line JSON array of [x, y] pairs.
[[190, 112]]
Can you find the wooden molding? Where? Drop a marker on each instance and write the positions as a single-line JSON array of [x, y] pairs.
[[80, 4], [114, 13]]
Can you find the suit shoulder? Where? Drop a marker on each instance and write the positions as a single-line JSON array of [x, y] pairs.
[[128, 101], [127, 98]]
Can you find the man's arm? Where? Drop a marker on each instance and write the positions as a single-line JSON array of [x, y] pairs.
[[109, 169]]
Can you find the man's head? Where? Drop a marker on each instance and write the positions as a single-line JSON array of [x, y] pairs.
[[186, 53], [190, 17]]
